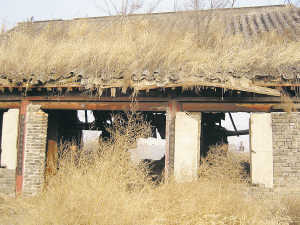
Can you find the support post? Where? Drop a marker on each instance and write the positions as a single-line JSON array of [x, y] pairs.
[[173, 107], [9, 131], [261, 149], [187, 146], [21, 146], [31, 149], [52, 147], [9, 139]]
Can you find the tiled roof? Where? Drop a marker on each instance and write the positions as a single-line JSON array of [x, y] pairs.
[[248, 22]]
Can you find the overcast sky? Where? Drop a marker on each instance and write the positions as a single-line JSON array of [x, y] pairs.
[[13, 11]]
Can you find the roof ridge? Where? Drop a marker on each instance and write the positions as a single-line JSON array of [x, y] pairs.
[[252, 8]]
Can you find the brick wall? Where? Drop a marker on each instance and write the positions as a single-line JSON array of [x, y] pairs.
[[35, 149], [7, 181], [286, 150]]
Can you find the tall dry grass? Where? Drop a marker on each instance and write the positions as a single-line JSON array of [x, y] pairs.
[[222, 164], [183, 45], [105, 187]]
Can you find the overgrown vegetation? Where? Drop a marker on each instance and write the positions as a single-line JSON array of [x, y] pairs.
[[104, 187], [119, 50], [221, 164]]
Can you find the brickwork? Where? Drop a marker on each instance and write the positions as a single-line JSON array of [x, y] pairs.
[[286, 150], [7, 181], [35, 149]]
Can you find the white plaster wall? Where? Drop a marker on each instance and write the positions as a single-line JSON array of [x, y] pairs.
[[261, 145], [9, 138], [187, 146]]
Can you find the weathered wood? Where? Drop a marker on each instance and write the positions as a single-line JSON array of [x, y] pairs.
[[155, 104], [9, 105], [123, 106], [81, 98], [233, 84], [21, 147], [173, 107], [233, 124], [293, 106], [52, 147], [225, 107], [234, 133], [271, 84]]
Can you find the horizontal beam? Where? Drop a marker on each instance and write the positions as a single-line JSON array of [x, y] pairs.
[[117, 106], [80, 98], [9, 105], [230, 133], [204, 105], [225, 107], [233, 84], [271, 84]]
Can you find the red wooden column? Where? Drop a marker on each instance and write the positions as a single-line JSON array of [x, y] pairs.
[[173, 107], [21, 146], [1, 127], [52, 147]]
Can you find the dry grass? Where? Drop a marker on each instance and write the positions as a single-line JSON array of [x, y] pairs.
[[105, 187], [221, 164], [179, 46]]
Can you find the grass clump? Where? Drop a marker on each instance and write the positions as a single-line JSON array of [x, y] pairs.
[[220, 163]]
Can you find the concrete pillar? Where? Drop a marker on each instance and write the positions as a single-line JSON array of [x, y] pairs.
[[261, 148], [10, 139], [187, 145]]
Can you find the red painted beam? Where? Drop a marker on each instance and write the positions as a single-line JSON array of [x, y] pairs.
[[225, 107], [122, 106], [9, 105]]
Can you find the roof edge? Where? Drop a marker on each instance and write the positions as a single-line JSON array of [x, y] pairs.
[[160, 13]]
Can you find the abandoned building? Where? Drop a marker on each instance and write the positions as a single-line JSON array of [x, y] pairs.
[[189, 69]]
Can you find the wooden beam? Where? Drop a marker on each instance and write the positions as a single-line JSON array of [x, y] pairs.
[[293, 106], [271, 84], [233, 84], [230, 133], [225, 107], [80, 98], [122, 106], [9, 105]]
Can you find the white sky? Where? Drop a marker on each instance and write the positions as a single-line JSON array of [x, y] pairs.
[[13, 11]]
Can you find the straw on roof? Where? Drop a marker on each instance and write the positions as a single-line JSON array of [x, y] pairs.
[[230, 48]]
